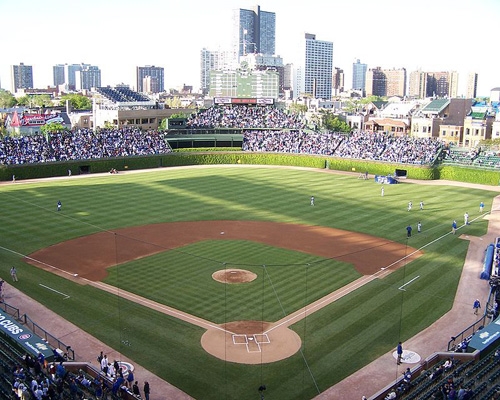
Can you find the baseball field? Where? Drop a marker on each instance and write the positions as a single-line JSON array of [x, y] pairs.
[[233, 280]]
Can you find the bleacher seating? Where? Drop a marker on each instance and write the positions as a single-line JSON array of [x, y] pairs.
[[122, 94], [482, 377]]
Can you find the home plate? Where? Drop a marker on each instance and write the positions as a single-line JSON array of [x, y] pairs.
[[222, 233]]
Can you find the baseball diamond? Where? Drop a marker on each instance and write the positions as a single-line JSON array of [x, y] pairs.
[[223, 279]]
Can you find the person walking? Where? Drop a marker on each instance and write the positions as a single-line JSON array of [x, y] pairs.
[[312, 200], [476, 306], [13, 274], [421, 205], [408, 231], [466, 218], [419, 227], [146, 390], [454, 227], [59, 205], [399, 351], [410, 205], [481, 207]]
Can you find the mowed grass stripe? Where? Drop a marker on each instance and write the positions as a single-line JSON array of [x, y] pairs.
[[337, 340], [183, 280]]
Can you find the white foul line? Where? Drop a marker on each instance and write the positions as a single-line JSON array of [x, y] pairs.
[[407, 283], [46, 287]]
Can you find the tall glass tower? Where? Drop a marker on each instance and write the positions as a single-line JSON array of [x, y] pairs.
[[254, 31], [358, 75]]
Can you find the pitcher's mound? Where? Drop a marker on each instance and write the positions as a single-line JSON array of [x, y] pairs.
[[234, 276]]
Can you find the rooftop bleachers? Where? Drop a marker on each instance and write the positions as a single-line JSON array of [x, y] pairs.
[[121, 94]]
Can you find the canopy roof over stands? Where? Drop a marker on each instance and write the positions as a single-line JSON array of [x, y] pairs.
[[488, 336], [436, 106]]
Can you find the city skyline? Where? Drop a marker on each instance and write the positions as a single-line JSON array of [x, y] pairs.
[[387, 34]]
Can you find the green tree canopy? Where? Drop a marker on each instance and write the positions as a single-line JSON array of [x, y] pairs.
[[38, 100], [52, 128], [7, 100], [297, 108], [333, 123], [77, 101]]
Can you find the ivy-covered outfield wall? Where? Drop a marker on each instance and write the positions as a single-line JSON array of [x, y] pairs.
[[454, 173]]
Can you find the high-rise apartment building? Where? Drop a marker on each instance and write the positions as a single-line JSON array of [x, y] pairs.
[[338, 81], [471, 92], [442, 84], [76, 76], [358, 75], [156, 80], [433, 84], [396, 82], [22, 77], [376, 82], [254, 31], [417, 86], [318, 67], [213, 61], [58, 74], [386, 82], [88, 77]]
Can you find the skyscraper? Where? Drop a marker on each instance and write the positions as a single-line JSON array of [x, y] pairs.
[[22, 77], [442, 84], [254, 31], [157, 81], [358, 75], [76, 76], [338, 81], [318, 67], [88, 77], [210, 61], [376, 82], [386, 82], [471, 86], [58, 74]]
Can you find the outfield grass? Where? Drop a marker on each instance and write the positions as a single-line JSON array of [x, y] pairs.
[[337, 340]]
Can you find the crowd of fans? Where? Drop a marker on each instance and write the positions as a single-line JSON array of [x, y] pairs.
[[359, 145], [279, 131], [81, 144], [245, 117]]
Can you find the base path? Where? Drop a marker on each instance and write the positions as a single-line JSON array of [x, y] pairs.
[[86, 259]]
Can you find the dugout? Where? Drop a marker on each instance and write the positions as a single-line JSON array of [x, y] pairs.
[[22, 338], [401, 173]]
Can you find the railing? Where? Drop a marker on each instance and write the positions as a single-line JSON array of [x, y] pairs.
[[466, 333], [10, 310], [50, 339]]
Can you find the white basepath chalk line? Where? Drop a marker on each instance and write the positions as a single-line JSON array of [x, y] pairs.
[[61, 293]]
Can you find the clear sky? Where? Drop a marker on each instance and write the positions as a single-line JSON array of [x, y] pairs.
[[118, 35]]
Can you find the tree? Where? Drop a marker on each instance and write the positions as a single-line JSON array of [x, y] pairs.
[[333, 123], [297, 108], [39, 100], [53, 127], [7, 100], [77, 101], [173, 102]]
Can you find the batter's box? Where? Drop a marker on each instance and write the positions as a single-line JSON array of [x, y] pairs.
[[240, 339], [261, 338]]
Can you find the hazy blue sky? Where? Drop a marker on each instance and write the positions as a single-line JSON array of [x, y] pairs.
[[118, 35]]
